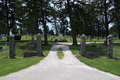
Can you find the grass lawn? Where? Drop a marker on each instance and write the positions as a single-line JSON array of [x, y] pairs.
[[26, 38], [69, 39], [12, 65], [107, 65], [20, 48], [60, 54]]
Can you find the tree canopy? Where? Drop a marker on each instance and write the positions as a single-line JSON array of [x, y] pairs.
[[91, 17]]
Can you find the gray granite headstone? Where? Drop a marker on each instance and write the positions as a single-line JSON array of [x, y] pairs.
[[60, 36]]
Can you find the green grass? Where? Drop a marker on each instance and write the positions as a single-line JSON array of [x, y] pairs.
[[107, 65], [60, 54], [20, 48], [12, 65], [100, 48], [26, 38], [3, 53], [95, 40]]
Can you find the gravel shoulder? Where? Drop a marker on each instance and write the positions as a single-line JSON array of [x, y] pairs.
[[68, 68]]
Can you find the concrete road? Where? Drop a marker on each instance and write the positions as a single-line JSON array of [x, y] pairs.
[[69, 68]]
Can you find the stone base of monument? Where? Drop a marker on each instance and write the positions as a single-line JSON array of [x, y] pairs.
[[30, 54], [92, 54]]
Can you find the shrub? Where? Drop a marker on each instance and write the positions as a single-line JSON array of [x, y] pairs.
[[17, 37]]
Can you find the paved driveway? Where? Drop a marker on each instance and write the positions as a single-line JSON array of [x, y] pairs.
[[51, 68]]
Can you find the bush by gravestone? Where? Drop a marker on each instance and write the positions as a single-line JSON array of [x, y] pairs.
[[17, 37]]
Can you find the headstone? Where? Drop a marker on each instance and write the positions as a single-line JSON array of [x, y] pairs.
[[110, 46], [11, 46], [90, 38], [64, 36], [60, 36], [32, 42], [105, 41], [83, 45], [39, 45], [87, 37]]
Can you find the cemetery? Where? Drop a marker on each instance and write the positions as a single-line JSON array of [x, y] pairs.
[[59, 40], [94, 51]]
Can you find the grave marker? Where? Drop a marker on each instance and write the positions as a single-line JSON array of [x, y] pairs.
[[60, 36]]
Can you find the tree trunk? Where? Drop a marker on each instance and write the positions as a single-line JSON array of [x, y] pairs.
[[45, 33], [56, 29], [106, 20], [73, 32], [71, 24], [8, 30], [74, 38], [118, 18], [37, 27]]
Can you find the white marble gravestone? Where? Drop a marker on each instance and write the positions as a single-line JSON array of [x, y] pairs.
[[60, 36]]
